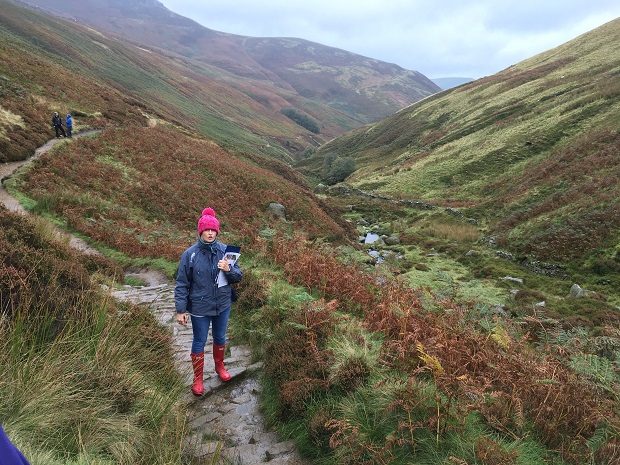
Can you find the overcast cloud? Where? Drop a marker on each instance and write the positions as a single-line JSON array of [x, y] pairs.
[[438, 38]]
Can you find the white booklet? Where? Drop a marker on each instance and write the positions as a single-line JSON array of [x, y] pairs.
[[231, 254]]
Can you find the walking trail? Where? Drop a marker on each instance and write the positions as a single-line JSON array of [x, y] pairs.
[[226, 421]]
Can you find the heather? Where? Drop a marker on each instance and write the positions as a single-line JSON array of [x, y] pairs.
[[141, 190]]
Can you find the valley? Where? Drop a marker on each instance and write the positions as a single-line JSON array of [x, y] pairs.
[[439, 286]]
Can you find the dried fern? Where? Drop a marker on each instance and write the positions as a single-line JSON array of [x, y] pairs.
[[430, 361]]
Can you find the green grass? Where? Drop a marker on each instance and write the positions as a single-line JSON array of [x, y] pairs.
[[134, 281], [484, 146]]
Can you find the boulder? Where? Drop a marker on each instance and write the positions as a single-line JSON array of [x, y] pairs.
[[499, 309], [576, 291], [513, 280], [393, 239], [277, 209]]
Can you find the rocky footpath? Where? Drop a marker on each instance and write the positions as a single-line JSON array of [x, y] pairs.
[[226, 421]]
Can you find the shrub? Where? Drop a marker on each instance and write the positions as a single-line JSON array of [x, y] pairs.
[[303, 120], [339, 170]]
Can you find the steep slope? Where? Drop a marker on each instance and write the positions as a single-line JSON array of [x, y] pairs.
[[38, 76], [44, 58], [533, 150], [363, 89], [140, 191], [47, 64]]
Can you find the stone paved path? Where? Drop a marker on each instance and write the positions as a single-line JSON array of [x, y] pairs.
[[226, 420]]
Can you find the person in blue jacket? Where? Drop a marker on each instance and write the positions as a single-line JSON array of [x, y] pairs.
[[69, 124], [198, 296], [9, 454]]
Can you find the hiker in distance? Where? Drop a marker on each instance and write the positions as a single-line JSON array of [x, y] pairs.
[[57, 123], [198, 296], [69, 124]]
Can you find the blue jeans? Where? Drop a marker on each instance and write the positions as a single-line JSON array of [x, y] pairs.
[[200, 328]]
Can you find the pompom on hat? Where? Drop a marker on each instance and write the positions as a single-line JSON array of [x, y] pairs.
[[208, 221]]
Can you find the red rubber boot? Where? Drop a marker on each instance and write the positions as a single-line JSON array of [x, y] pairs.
[[198, 364], [218, 358]]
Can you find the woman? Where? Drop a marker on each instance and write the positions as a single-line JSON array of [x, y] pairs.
[[198, 296]]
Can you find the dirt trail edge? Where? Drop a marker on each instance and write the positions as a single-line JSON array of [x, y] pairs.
[[226, 421], [8, 169]]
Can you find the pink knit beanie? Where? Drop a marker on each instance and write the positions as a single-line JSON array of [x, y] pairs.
[[208, 221]]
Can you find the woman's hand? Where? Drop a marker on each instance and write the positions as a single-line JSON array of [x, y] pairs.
[[182, 318], [223, 265]]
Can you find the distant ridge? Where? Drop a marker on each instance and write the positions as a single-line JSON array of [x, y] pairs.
[[362, 88]]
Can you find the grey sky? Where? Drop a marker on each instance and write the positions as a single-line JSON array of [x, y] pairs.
[[438, 38]]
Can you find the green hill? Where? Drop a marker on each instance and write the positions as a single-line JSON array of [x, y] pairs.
[[532, 151]]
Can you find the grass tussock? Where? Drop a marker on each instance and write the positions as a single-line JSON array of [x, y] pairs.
[[458, 232], [82, 378]]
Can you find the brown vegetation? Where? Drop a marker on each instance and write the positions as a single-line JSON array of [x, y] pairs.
[[141, 191], [507, 383]]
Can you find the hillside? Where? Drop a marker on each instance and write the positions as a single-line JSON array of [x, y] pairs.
[[364, 363], [308, 75], [50, 64], [531, 152], [156, 183]]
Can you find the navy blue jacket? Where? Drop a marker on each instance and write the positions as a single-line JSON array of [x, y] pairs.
[[196, 288], [9, 454], [69, 121]]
